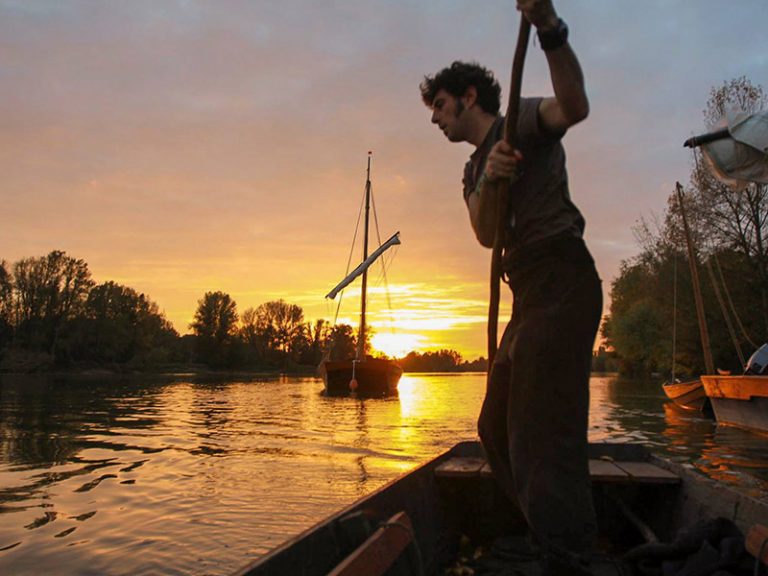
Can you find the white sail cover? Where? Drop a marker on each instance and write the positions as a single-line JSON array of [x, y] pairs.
[[742, 158], [364, 265]]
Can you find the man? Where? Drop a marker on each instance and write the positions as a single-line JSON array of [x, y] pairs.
[[533, 423]]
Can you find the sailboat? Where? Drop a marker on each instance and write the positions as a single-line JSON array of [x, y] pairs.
[[738, 400], [362, 375], [688, 394]]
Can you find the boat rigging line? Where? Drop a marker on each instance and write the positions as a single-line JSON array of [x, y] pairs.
[[674, 316], [729, 312], [384, 265], [731, 306], [726, 315], [349, 259], [379, 252]]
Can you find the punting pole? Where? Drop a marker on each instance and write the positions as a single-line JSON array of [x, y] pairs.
[[502, 207]]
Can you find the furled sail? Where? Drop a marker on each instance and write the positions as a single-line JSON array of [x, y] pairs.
[[737, 153], [364, 265]]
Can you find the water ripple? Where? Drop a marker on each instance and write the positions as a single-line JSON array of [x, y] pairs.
[[185, 477]]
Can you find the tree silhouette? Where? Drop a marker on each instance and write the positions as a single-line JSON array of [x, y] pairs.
[[49, 291], [119, 325], [215, 325], [6, 305], [730, 233]]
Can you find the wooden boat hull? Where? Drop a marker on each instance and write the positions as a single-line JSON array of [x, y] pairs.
[[739, 400], [689, 395], [444, 508], [374, 376]]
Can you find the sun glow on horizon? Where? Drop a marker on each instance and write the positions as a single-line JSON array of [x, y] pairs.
[[443, 314], [398, 345]]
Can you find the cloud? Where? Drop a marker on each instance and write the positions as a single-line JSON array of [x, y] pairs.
[[186, 146]]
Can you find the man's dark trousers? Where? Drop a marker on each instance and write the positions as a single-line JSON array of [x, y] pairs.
[[533, 423]]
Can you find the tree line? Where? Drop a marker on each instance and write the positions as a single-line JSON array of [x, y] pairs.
[[652, 298], [441, 361], [53, 315], [272, 335]]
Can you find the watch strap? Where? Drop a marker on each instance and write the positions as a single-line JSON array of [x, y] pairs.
[[554, 38]]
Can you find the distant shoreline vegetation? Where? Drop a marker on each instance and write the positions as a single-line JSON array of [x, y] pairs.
[[55, 318], [653, 310]]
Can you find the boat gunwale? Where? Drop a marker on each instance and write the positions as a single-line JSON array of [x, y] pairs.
[[273, 562], [696, 497], [262, 566], [735, 387]]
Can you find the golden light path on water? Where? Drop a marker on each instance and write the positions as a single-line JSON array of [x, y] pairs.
[[196, 476]]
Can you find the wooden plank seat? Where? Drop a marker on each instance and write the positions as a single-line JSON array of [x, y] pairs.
[[647, 473], [380, 551], [601, 471]]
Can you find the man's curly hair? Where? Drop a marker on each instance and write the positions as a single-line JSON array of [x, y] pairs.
[[457, 78]]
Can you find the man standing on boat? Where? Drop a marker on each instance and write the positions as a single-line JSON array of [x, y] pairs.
[[533, 423]]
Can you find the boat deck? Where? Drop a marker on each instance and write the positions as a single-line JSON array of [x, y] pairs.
[[432, 516], [602, 470]]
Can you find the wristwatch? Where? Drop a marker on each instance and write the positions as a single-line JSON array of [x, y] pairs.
[[553, 38]]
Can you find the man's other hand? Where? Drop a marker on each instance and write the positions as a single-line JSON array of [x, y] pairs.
[[540, 13]]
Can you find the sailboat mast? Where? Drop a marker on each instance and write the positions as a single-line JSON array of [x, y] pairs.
[[361, 330], [703, 332]]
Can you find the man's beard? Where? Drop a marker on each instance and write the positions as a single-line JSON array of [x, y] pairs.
[[458, 112]]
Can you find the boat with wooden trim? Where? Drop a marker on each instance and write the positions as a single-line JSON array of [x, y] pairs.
[[362, 375], [739, 400], [422, 522], [689, 394]]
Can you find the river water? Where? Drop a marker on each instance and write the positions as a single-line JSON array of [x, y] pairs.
[[186, 476]]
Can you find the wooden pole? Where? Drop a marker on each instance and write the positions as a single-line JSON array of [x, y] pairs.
[[510, 135], [708, 362], [363, 296]]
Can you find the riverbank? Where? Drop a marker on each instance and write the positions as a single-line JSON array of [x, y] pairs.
[[200, 371], [176, 372]]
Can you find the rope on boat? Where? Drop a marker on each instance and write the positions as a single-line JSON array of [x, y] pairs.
[[727, 294], [349, 259], [727, 316], [645, 530], [730, 304], [384, 265], [674, 318]]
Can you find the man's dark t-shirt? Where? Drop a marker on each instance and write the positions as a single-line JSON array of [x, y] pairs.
[[540, 203]]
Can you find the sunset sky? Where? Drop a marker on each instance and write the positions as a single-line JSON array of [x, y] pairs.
[[187, 146]]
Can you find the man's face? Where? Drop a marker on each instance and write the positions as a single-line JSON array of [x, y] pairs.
[[447, 114]]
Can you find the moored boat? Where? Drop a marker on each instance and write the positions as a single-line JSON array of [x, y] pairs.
[[739, 400], [689, 394], [362, 375], [374, 376], [418, 523]]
